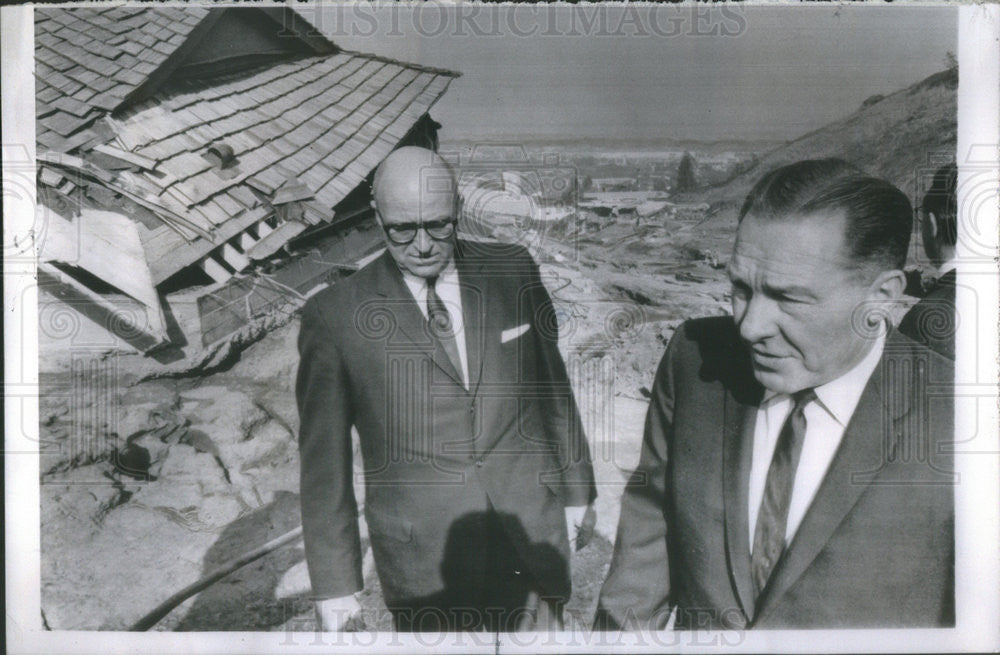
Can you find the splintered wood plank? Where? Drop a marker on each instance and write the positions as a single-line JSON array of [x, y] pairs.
[[291, 192], [50, 177], [273, 241], [167, 253], [175, 199], [108, 246], [129, 158], [314, 213]]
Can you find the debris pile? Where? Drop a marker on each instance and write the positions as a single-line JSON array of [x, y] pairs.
[[187, 154]]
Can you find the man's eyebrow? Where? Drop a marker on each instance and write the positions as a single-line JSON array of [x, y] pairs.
[[443, 219], [787, 289]]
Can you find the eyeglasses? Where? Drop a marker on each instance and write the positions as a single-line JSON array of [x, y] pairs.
[[404, 233]]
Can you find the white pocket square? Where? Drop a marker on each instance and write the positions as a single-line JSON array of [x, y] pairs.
[[513, 333]]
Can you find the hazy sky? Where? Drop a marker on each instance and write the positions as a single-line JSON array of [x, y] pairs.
[[667, 72]]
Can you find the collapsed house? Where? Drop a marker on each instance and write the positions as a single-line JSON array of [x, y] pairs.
[[219, 156]]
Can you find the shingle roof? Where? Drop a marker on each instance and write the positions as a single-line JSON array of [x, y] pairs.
[[323, 122], [315, 124], [89, 59]]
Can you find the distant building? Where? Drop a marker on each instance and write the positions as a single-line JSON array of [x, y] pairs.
[[601, 184], [178, 145]]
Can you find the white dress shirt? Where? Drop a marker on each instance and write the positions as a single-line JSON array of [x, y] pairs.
[[949, 265], [449, 291], [826, 419]]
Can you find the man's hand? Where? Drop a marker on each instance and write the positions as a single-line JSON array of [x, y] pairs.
[[339, 614], [580, 522]]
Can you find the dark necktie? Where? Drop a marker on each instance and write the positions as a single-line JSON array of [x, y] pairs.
[[441, 326], [772, 520]]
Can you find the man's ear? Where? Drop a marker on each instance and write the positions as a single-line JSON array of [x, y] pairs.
[[932, 225], [888, 286]]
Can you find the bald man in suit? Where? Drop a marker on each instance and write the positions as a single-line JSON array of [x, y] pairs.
[[442, 353]]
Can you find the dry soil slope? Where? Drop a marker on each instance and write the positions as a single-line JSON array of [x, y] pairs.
[[892, 138]]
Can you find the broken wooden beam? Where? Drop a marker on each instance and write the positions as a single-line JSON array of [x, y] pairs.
[[215, 270], [234, 257], [275, 239], [247, 239]]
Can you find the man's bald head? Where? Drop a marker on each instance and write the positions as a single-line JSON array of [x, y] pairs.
[[410, 176], [413, 188]]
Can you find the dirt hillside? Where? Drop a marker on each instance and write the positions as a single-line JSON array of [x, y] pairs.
[[898, 137]]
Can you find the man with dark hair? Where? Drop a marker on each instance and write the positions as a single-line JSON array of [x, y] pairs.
[[791, 473], [443, 354], [932, 321]]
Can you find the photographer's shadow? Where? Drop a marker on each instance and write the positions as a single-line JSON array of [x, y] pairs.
[[245, 599], [490, 584]]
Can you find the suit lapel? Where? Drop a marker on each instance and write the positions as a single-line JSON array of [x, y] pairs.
[[474, 290], [737, 448], [855, 465], [388, 283]]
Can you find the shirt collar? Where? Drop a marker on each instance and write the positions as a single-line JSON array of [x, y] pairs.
[[840, 397], [949, 265], [447, 275]]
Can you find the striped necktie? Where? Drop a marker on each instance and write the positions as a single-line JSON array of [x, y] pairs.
[[772, 520], [441, 326]]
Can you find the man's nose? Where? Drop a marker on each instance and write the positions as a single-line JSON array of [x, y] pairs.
[[423, 240], [757, 321]]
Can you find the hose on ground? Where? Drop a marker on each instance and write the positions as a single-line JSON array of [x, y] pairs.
[[164, 608]]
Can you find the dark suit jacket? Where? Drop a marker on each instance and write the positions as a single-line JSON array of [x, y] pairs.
[[932, 321], [433, 451], [875, 548]]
